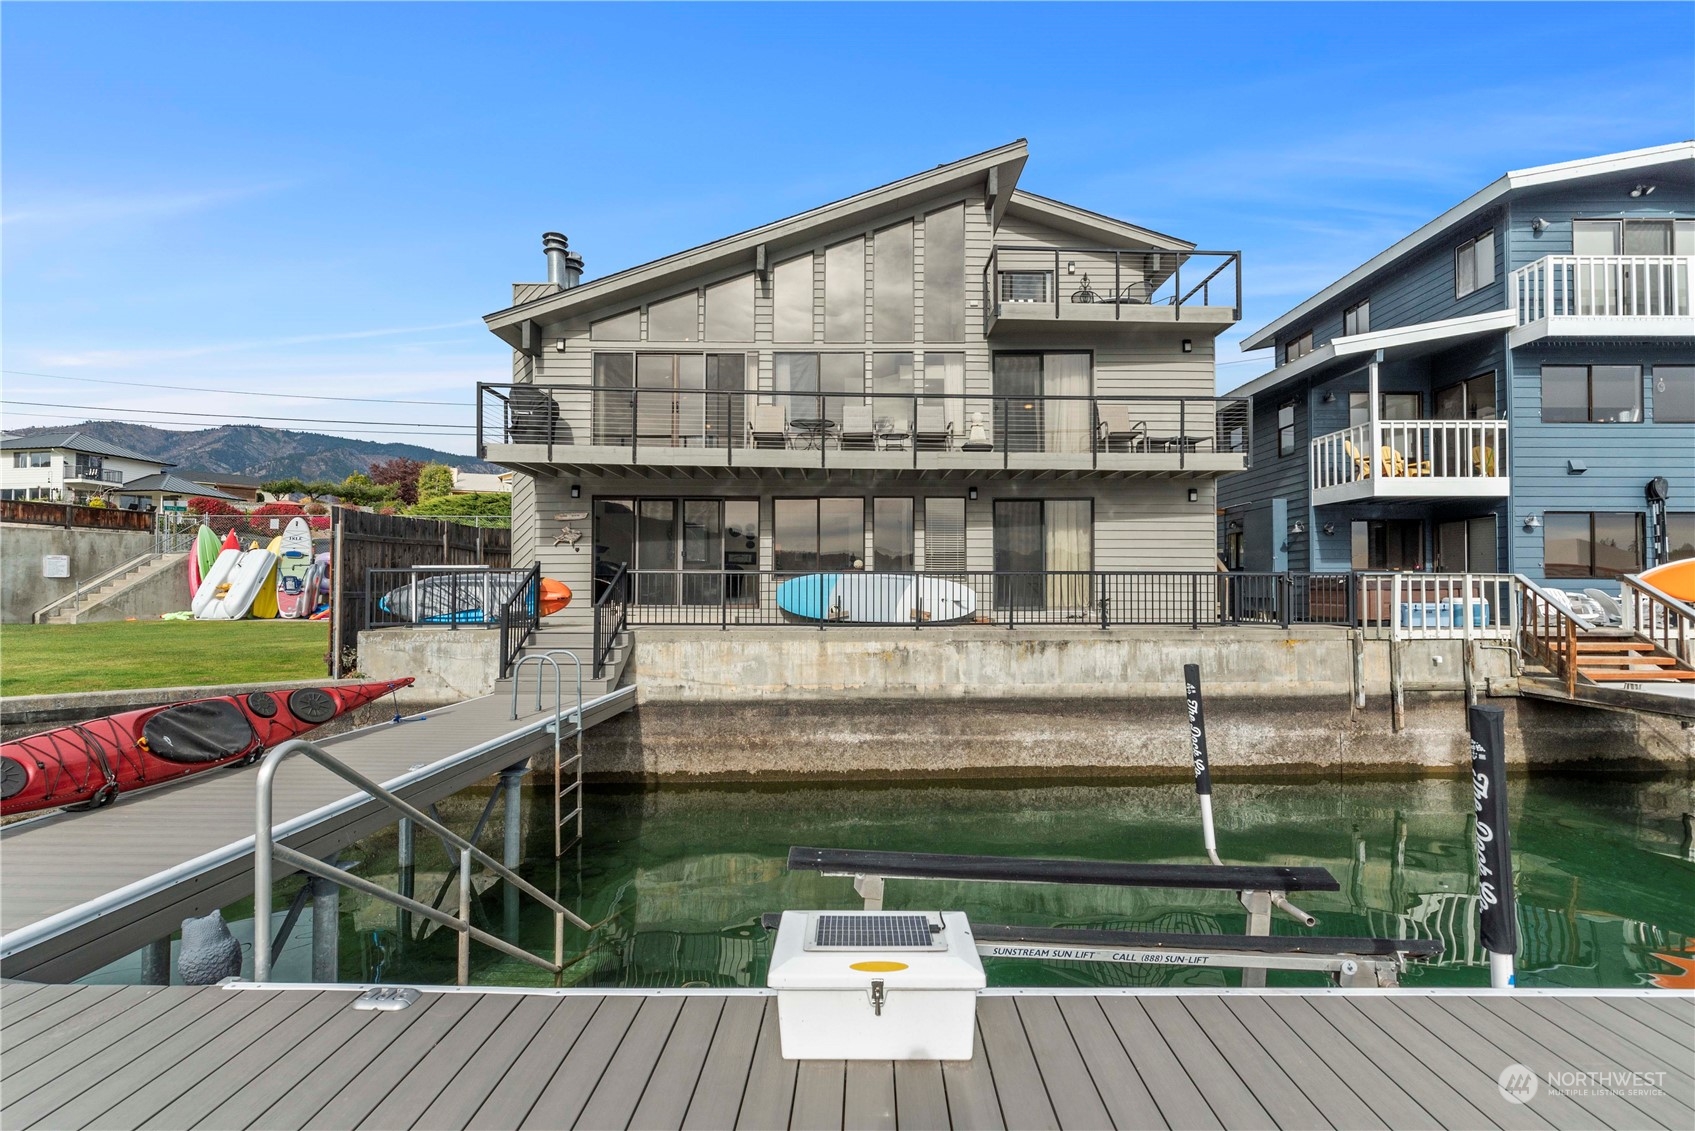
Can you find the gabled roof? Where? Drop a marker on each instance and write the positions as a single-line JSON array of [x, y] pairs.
[[170, 484], [1089, 225], [1007, 162], [1605, 165], [75, 442], [1397, 342], [226, 478]]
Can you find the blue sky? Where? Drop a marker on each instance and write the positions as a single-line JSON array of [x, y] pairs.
[[324, 199]]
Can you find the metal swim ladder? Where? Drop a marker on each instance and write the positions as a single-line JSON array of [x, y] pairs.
[[560, 789], [266, 851]]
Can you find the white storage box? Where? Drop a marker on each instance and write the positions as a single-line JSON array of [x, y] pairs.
[[876, 985]]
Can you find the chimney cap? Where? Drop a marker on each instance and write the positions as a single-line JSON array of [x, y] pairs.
[[554, 241]]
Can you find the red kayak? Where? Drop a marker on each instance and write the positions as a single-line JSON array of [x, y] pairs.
[[91, 763]]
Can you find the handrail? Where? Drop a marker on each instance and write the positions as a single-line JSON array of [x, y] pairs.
[[90, 586], [266, 851], [1543, 622], [604, 640], [509, 647], [1601, 286], [1637, 598]]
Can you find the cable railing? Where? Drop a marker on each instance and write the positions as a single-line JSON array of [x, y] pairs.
[[266, 854], [1086, 282], [823, 427]]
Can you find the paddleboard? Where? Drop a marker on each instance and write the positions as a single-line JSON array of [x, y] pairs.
[[201, 556], [293, 567], [235, 596], [265, 601], [876, 598], [1674, 579], [465, 598], [215, 585]]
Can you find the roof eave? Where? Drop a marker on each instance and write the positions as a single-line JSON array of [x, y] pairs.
[[1094, 224], [1007, 160]]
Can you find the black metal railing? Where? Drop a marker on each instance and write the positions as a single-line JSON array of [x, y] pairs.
[[767, 598], [443, 596], [611, 606], [1058, 281], [520, 617], [820, 427]]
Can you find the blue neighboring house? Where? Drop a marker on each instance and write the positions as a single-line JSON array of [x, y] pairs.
[[1508, 388]]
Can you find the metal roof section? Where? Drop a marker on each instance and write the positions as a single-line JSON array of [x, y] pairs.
[[1604, 165], [76, 442], [1005, 162], [176, 485], [1397, 342], [1091, 225]]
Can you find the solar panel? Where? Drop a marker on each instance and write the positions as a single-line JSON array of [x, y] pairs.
[[870, 931]]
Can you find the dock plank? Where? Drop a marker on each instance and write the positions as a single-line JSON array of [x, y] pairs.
[[530, 1074], [562, 1100], [819, 1095], [723, 1078], [1231, 1099], [1071, 1089], [1653, 1042], [1114, 1073], [1388, 1104], [484, 1071], [50, 1012], [398, 1102], [1018, 1081], [769, 1099], [1555, 1023], [619, 1090], [103, 1015], [369, 1057], [1180, 1102], [1265, 1066], [870, 1095], [1680, 1032], [972, 1098], [921, 1098], [305, 1059], [665, 1102]]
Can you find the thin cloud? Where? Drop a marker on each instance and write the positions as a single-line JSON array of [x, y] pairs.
[[95, 210], [125, 359]]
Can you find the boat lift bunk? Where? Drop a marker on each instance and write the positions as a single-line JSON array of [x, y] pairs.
[[1349, 961]]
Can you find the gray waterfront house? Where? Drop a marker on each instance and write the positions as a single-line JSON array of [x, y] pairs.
[[945, 376], [1511, 388]]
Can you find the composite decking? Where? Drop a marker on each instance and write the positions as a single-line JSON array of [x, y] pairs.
[[83, 889], [240, 1057]]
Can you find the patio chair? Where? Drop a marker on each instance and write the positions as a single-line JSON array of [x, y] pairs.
[[1483, 461], [1395, 464], [934, 429], [859, 428], [1139, 292], [1115, 425], [769, 427], [1608, 605], [1362, 466]]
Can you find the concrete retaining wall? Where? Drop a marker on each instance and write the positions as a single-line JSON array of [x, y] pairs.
[[163, 591], [449, 664], [92, 552]]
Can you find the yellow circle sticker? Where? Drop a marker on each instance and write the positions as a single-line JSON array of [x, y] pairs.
[[878, 967]]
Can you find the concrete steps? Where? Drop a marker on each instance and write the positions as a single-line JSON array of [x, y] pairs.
[[87, 607], [580, 641]]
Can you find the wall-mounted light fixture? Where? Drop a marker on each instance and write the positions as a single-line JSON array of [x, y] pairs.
[[971, 493], [1233, 527], [1531, 522], [1194, 495], [560, 345], [576, 490], [1329, 398], [1539, 225], [1188, 345], [1642, 190], [1071, 266], [1329, 529], [1297, 528]]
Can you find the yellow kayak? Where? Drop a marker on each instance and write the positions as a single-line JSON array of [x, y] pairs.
[[265, 601]]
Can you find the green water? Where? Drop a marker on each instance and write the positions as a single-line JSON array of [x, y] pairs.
[[676, 878]]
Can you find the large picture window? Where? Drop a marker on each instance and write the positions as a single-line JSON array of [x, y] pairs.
[[1680, 534], [1591, 394], [844, 292], [675, 319], [32, 459], [729, 311], [891, 284], [818, 535], [1591, 544], [792, 301], [1474, 264], [944, 275], [1674, 394]]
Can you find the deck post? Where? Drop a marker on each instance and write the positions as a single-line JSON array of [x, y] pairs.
[[512, 855], [326, 930], [156, 962], [1497, 910]]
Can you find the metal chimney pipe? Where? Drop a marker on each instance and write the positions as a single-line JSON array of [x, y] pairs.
[[564, 266]]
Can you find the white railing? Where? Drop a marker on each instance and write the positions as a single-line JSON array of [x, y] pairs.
[[1441, 606], [1410, 449], [1659, 617], [1602, 286]]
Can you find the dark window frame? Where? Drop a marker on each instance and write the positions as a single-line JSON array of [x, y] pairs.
[[1568, 572], [1469, 248], [1589, 393], [1353, 312], [1688, 373], [1296, 348], [1286, 431]]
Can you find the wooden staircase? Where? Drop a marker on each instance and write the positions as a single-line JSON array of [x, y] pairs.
[[1645, 665], [1614, 656]]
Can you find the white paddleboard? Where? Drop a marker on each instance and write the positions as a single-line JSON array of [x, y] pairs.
[[232, 600], [215, 585], [292, 569]]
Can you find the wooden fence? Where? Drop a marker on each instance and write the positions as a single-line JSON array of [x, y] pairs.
[[38, 513], [363, 541]]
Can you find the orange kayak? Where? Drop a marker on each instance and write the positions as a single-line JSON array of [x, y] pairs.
[[1674, 579], [555, 595]]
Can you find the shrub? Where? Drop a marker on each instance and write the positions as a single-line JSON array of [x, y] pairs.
[[278, 510], [200, 504], [479, 504], [435, 481]]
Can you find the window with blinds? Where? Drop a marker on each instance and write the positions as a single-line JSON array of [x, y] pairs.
[[1026, 286], [944, 535]]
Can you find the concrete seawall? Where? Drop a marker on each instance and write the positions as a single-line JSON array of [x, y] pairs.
[[978, 702]]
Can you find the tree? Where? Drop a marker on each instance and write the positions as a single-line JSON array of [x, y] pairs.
[[477, 504], [202, 505], [313, 490], [361, 492], [399, 473], [435, 481]]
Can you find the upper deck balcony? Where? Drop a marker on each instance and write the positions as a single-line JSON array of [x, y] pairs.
[[1602, 295], [1029, 288], [1411, 459], [614, 429]]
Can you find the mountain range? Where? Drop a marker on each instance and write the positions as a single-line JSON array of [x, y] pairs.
[[262, 453]]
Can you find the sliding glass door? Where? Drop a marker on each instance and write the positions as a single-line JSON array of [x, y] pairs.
[[682, 550], [1042, 401], [1044, 554]]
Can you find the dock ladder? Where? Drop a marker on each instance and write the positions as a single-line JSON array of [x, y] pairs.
[[561, 786]]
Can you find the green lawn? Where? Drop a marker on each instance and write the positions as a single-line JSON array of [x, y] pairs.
[[41, 659]]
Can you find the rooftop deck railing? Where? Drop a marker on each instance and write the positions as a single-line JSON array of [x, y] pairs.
[[1058, 280], [854, 429], [1602, 286]]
